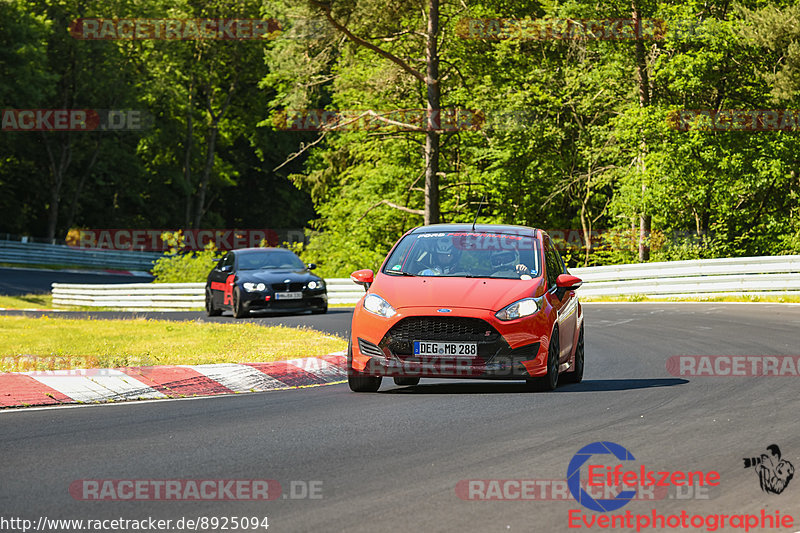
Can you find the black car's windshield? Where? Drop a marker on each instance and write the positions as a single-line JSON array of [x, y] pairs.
[[270, 259], [466, 254]]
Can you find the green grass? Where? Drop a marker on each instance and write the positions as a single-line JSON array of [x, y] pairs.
[[27, 301], [49, 343]]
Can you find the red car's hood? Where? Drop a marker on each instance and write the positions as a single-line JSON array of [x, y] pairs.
[[475, 293]]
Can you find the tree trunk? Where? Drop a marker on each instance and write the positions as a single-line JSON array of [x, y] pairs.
[[201, 191], [586, 228], [644, 236], [434, 117], [187, 160], [57, 171], [586, 223], [76, 197], [644, 101], [210, 150]]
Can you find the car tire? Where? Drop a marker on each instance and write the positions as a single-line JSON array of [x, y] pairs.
[[210, 309], [549, 381], [406, 381], [358, 381], [239, 310], [576, 376]]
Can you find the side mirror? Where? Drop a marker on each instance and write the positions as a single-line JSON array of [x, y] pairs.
[[311, 266], [216, 259], [363, 277], [567, 282]]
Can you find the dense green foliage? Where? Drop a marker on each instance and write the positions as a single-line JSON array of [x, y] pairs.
[[568, 141], [179, 267], [203, 162]]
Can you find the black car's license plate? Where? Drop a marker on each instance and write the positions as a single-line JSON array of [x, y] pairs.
[[288, 295]]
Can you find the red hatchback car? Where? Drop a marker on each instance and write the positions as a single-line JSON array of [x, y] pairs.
[[465, 301]]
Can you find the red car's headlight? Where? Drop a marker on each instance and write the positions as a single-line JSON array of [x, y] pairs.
[[520, 308], [375, 304]]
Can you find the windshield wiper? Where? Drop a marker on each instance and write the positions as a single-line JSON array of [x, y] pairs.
[[399, 273]]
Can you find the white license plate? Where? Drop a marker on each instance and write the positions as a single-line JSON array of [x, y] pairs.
[[288, 295], [446, 349]]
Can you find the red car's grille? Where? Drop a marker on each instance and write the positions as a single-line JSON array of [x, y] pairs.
[[367, 348], [492, 347], [443, 329]]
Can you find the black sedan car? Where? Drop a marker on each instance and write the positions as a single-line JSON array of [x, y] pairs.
[[268, 279]]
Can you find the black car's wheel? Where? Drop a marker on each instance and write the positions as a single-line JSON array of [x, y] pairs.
[[549, 381], [406, 381], [576, 376], [210, 309], [239, 310], [358, 381]]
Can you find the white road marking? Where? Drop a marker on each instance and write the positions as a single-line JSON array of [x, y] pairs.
[[238, 378], [110, 385]]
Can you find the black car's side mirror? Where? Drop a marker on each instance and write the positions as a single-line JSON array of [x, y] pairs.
[[311, 266]]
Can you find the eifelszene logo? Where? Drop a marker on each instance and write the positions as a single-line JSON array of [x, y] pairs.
[[614, 478], [774, 473]]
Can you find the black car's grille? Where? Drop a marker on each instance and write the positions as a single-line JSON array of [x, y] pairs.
[[289, 287], [457, 329]]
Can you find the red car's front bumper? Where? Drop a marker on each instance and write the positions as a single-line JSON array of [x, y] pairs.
[[515, 349]]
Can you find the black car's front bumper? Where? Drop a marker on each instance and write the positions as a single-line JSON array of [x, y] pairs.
[[313, 299]]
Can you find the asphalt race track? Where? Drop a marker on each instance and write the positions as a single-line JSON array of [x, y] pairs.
[[15, 281], [391, 461]]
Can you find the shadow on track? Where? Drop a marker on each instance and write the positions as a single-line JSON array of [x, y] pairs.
[[508, 387]]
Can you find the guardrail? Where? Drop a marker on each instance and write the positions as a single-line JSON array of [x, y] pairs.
[[131, 296], [741, 276], [736, 276], [31, 253]]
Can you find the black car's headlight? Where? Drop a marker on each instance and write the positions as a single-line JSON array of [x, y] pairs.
[[520, 308], [249, 286], [314, 284]]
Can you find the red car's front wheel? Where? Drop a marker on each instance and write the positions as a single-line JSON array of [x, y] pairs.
[[549, 381], [358, 381]]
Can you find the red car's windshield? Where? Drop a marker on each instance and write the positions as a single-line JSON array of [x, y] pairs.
[[466, 254]]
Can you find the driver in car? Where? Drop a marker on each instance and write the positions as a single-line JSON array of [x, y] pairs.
[[444, 259], [506, 264]]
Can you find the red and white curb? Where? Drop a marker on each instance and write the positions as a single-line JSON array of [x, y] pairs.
[[53, 387]]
